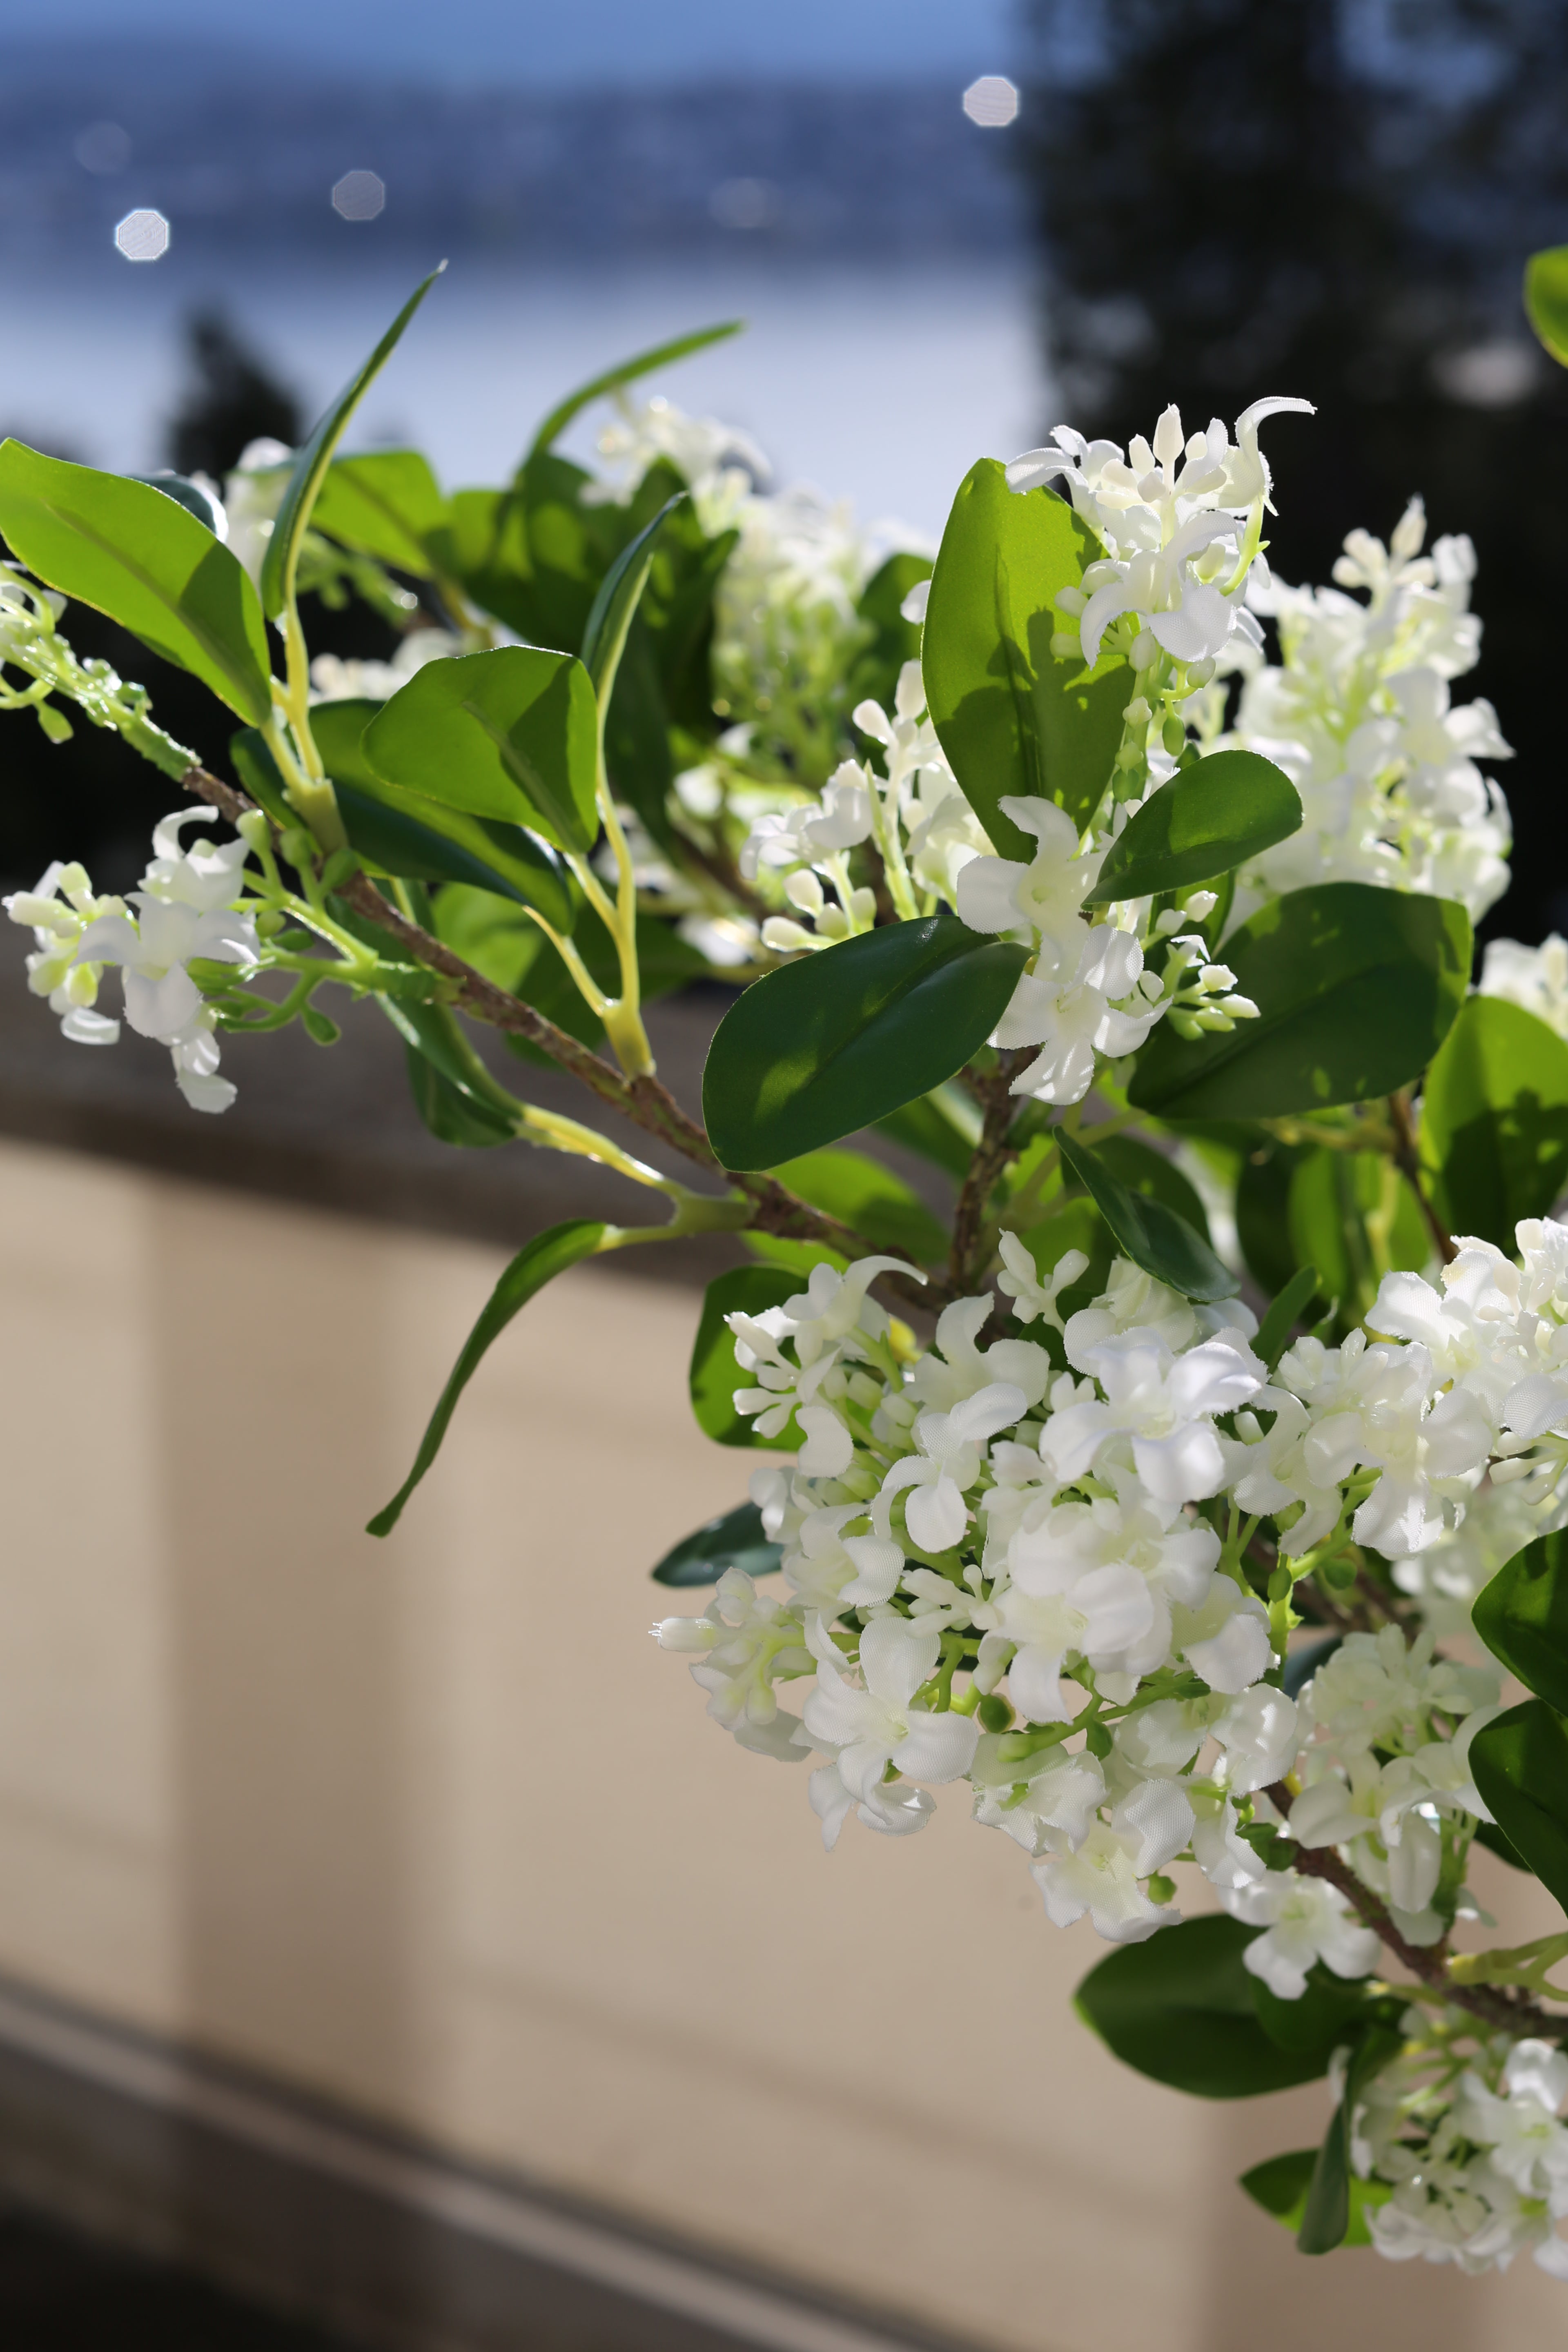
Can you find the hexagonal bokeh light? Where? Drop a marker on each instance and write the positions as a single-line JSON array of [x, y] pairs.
[[359, 195], [143, 235], [992, 101]]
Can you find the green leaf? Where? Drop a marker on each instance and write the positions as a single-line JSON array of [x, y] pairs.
[[1494, 1121], [619, 592], [1153, 1175], [1488, 1834], [511, 734], [1179, 2008], [1326, 2214], [1014, 718], [137, 554], [1546, 299], [1356, 989], [735, 1540], [869, 1197], [627, 371], [1274, 1331], [548, 1254], [1353, 1215], [1281, 2187], [1151, 1234], [715, 1376], [1332, 2010], [454, 1095], [943, 1126], [251, 755], [203, 504], [385, 503], [532, 555], [498, 939], [826, 1045], [282, 557], [1209, 819], [1522, 1615], [1519, 1761], [423, 840]]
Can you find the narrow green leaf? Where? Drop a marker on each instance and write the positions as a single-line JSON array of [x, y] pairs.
[[826, 1045], [1522, 1615], [1151, 1174], [458, 1102], [1274, 1331], [1494, 1121], [629, 371], [548, 1254], [282, 557], [1014, 718], [423, 840], [619, 592], [1546, 299], [1519, 1761], [943, 1126], [736, 1540], [138, 555], [869, 1197], [1179, 2008], [384, 503], [1280, 2185], [1326, 2215], [1152, 1235], [1356, 989], [1209, 819], [714, 1374], [511, 734]]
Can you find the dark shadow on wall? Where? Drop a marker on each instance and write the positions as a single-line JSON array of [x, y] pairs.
[[1241, 197]]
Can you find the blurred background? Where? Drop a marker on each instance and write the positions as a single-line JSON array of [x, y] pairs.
[[281, 1813]]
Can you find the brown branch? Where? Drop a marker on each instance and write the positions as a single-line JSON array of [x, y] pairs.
[[991, 1155], [643, 1100], [1500, 2010], [1408, 1159]]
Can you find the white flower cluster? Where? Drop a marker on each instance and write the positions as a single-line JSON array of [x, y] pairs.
[[1534, 978], [1022, 1565], [186, 908], [923, 829], [1358, 713], [1087, 991], [1180, 521], [334, 678], [1462, 2140]]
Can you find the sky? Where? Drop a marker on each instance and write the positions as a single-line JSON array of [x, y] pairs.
[[573, 40]]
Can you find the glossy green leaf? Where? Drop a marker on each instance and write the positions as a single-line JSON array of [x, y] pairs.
[[627, 371], [533, 555], [1522, 1615], [1281, 2187], [870, 1199], [204, 504], [1494, 1121], [1519, 1761], [1355, 1217], [1274, 1331], [423, 840], [714, 1374], [385, 503], [1179, 2008], [1356, 989], [1014, 718], [511, 734], [281, 561], [548, 1254], [1546, 299], [137, 554], [1326, 2212], [826, 1045], [619, 592], [943, 1126], [1151, 1234], [1209, 819], [738, 1539], [453, 1095], [1153, 1175]]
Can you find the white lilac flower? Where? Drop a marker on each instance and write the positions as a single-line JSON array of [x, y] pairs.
[[1304, 1920], [1163, 1404], [744, 1643], [1173, 518], [1100, 1876], [336, 679], [186, 909], [58, 912], [867, 1726]]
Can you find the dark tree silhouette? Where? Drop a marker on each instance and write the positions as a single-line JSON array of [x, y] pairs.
[[232, 399], [1239, 197]]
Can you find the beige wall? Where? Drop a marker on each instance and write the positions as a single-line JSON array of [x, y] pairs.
[[432, 1826]]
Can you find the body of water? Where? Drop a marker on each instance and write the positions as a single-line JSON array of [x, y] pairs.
[[880, 382]]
